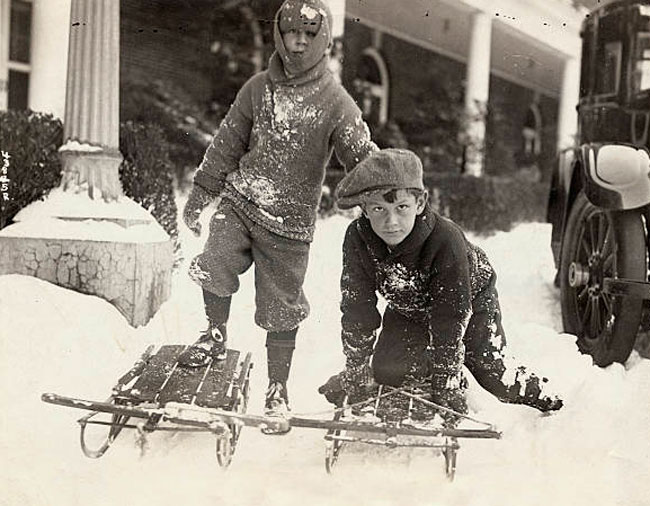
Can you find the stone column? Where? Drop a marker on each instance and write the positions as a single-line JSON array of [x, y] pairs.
[[4, 53], [567, 124], [338, 21], [477, 91], [50, 36], [90, 153], [338, 14]]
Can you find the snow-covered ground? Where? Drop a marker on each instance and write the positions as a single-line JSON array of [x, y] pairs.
[[595, 451]]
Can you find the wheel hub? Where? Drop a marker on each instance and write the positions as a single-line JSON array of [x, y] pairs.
[[591, 274], [578, 275]]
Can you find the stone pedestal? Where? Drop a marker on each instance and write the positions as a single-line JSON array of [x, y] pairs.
[[125, 258], [134, 277]]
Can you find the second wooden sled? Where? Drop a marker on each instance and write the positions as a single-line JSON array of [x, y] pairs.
[[395, 428]]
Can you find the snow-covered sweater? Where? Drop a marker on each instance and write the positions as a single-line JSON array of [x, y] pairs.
[[271, 150], [435, 275]]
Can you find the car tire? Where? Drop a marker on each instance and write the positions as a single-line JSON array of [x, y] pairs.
[[598, 244]]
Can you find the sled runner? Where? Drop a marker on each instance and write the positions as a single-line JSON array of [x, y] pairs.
[[161, 395], [399, 417], [165, 396]]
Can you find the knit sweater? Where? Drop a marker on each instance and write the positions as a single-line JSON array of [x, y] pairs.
[[271, 150], [434, 276]]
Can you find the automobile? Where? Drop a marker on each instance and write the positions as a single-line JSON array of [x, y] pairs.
[[599, 200]]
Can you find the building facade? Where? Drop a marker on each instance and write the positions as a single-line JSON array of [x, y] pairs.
[[502, 74], [33, 54]]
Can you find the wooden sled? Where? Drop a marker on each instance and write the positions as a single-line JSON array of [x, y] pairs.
[[395, 426], [165, 396]]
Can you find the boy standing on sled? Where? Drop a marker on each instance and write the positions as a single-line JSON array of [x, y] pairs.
[[266, 166], [442, 305]]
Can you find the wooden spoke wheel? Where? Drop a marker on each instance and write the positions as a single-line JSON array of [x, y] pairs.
[[599, 244]]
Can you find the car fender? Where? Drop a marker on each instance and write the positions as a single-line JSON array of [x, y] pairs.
[[565, 185], [616, 176]]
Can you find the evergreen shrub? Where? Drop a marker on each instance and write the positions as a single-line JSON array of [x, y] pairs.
[[31, 140], [186, 128], [487, 204], [147, 174], [482, 205]]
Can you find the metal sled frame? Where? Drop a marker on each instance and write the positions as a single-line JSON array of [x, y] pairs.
[[164, 396], [341, 431]]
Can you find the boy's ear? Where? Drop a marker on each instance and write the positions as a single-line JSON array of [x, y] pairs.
[[422, 201]]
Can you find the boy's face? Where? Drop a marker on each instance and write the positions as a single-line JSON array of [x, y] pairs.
[[298, 41], [393, 221]]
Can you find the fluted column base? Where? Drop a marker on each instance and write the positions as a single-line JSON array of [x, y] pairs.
[[94, 172]]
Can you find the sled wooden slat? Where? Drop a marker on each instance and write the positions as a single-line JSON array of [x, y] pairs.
[[182, 385], [215, 386], [158, 369]]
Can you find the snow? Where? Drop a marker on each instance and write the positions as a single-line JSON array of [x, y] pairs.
[[77, 146], [308, 12], [595, 451], [85, 219]]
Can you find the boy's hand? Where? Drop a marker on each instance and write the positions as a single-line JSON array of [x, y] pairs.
[[452, 398], [355, 382], [333, 390], [197, 201]]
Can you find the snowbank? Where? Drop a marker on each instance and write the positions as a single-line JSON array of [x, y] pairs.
[[596, 451]]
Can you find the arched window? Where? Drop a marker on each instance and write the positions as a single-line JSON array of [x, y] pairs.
[[532, 131], [372, 86]]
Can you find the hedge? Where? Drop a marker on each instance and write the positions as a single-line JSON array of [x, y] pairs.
[[487, 204], [478, 204], [31, 140], [147, 175], [186, 128]]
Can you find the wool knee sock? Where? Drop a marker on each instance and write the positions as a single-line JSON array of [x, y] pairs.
[[279, 351], [217, 308]]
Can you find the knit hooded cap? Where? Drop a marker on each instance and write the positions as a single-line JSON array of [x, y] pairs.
[[312, 16], [379, 172]]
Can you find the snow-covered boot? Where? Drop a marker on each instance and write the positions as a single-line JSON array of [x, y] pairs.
[[277, 400], [276, 405], [211, 345]]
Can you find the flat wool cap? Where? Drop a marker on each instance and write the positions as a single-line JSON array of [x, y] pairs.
[[383, 170]]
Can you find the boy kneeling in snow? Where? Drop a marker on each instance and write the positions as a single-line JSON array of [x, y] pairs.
[[442, 305]]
